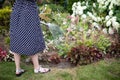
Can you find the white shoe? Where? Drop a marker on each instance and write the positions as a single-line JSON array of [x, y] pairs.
[[19, 72], [41, 70]]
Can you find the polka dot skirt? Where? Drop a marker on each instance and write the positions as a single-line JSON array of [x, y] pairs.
[[26, 36]]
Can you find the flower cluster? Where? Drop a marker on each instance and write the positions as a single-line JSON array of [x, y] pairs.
[[3, 54], [101, 14], [78, 9]]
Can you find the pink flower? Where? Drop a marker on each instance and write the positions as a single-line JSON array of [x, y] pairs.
[[74, 19], [69, 29], [3, 54]]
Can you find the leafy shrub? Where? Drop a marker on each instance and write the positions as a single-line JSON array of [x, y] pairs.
[[5, 18], [81, 55], [47, 11], [117, 10], [1, 3], [102, 43], [7, 40], [76, 32], [57, 8], [68, 4], [113, 50], [3, 31]]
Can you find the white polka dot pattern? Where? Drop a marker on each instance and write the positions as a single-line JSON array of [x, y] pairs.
[[26, 36]]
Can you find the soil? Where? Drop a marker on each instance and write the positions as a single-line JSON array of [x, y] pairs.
[[62, 65], [52, 59]]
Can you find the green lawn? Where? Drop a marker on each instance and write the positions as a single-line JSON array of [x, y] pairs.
[[103, 70]]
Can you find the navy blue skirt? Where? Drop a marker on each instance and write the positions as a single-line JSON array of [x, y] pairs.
[[26, 36]]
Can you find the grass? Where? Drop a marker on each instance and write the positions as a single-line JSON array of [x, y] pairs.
[[102, 70]]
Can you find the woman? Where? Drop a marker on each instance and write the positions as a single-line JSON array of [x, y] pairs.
[[26, 37]]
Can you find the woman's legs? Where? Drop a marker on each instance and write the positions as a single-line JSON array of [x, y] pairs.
[[34, 58], [17, 61], [37, 67], [35, 61]]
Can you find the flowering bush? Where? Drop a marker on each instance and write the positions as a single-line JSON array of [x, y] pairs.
[[84, 26], [3, 54], [76, 32], [101, 14]]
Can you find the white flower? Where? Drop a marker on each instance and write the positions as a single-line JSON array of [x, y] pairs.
[[83, 16], [118, 2], [108, 23], [100, 6], [115, 2], [73, 15], [94, 18], [58, 15], [113, 19], [73, 8], [94, 5], [107, 2], [107, 18], [79, 3], [104, 7], [96, 25], [111, 6], [89, 14], [102, 2], [111, 31], [84, 7], [86, 3], [111, 12], [104, 31], [102, 18], [74, 4], [115, 25], [46, 5], [44, 32], [99, 19], [78, 9], [99, 1], [83, 2], [80, 12]]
